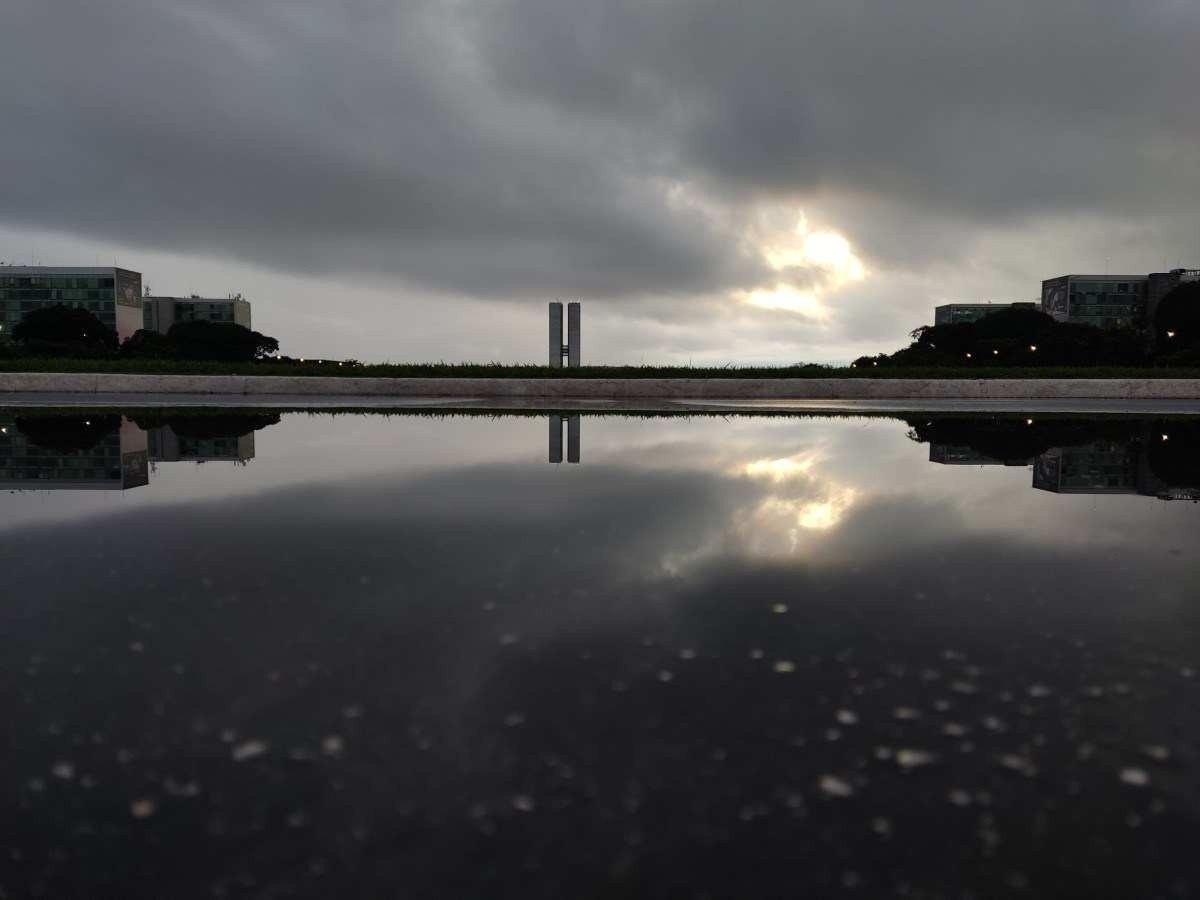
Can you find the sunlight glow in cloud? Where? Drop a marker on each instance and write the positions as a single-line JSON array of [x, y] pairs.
[[827, 251], [785, 297], [810, 264]]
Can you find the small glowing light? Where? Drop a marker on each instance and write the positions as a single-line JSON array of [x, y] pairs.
[[1029, 421], [1170, 334], [874, 363], [1166, 437], [302, 359], [3, 431], [1032, 347], [995, 353], [853, 366], [968, 356], [87, 422]]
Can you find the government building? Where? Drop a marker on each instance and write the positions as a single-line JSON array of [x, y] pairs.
[[112, 295], [160, 313], [957, 313]]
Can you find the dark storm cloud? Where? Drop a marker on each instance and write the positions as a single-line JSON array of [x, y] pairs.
[[365, 137], [913, 112], [531, 145]]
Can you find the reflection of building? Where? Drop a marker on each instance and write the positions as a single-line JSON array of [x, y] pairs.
[[1101, 467], [1105, 467], [118, 461], [167, 446], [957, 455], [160, 313], [556, 440], [112, 295], [956, 313], [1118, 455]]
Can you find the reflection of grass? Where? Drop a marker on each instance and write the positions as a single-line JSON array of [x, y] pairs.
[[330, 368]]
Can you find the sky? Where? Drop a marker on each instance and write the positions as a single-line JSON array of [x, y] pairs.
[[773, 182]]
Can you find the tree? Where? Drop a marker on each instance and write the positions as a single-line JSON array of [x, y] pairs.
[[64, 331], [231, 424], [1177, 320], [1020, 338], [143, 344], [1176, 460], [225, 341], [67, 434]]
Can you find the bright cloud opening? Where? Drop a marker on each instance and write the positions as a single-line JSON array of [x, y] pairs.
[[824, 259], [785, 297]]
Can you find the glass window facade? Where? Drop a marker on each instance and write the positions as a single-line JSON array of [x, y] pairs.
[[1107, 304], [21, 294], [203, 311]]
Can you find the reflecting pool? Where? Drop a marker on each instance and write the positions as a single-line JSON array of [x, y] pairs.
[[263, 653]]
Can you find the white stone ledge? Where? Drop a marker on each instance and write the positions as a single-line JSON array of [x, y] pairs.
[[615, 388]]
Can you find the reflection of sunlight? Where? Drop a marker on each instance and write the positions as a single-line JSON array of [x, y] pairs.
[[820, 516], [801, 500], [780, 469], [814, 515]]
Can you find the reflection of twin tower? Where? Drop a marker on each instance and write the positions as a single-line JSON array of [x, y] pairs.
[[119, 460], [556, 441]]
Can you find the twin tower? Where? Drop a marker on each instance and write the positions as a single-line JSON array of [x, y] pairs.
[[557, 348]]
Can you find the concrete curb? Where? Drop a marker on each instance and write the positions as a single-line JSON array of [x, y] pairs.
[[616, 388]]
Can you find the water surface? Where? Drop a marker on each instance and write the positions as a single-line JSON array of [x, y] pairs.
[[314, 655]]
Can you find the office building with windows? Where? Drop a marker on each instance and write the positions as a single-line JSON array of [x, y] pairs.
[[112, 295], [956, 313], [1106, 301], [1159, 284], [160, 313]]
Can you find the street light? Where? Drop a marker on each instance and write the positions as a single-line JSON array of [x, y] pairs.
[[1033, 348]]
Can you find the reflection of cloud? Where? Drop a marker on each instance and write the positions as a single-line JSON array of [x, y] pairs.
[[781, 469], [777, 525], [801, 500]]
